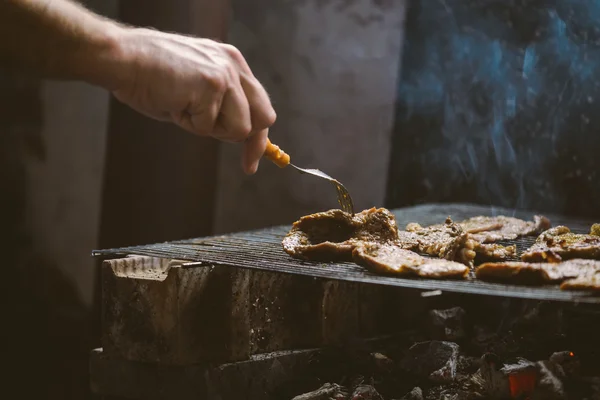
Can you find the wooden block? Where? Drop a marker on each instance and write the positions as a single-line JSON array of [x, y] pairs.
[[340, 312], [294, 312], [387, 310], [258, 378], [372, 305], [155, 310]]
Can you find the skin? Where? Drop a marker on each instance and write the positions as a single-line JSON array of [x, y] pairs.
[[201, 85]]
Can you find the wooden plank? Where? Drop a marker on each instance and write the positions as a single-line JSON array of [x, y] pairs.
[[154, 310]]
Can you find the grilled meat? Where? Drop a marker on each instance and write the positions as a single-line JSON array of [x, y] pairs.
[[392, 259], [331, 235], [494, 251], [519, 272], [447, 241], [493, 229], [483, 232], [559, 243], [586, 283]]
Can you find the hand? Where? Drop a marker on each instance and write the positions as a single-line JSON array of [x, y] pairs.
[[203, 86]]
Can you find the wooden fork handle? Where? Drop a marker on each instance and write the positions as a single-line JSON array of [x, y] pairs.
[[275, 154]]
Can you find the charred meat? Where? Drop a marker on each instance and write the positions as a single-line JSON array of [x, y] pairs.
[[520, 272], [494, 229], [559, 243], [333, 234], [494, 251], [447, 241], [586, 283], [483, 232], [392, 259]]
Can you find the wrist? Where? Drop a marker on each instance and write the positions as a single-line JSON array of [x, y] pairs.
[[103, 61]]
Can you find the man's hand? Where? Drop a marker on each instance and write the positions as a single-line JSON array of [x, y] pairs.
[[203, 86]]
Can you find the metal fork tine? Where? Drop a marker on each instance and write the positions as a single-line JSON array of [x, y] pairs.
[[343, 195]]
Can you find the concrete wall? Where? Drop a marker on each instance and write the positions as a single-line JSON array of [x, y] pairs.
[[331, 69]]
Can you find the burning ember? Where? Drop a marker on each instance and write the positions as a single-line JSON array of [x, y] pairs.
[[442, 361]]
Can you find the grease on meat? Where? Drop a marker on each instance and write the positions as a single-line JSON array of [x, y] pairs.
[[574, 272], [448, 241], [392, 259], [559, 243], [333, 234]]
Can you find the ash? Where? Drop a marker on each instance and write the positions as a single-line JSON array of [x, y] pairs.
[[472, 349]]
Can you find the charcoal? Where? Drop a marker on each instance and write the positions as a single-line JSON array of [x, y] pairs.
[[415, 394], [495, 374], [381, 363], [550, 385], [365, 392], [446, 324], [569, 362], [329, 391], [433, 360]]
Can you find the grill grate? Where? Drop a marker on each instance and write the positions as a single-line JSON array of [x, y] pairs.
[[261, 250]]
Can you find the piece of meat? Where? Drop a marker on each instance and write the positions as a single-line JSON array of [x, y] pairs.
[[331, 235], [587, 283], [482, 232], [520, 272], [447, 241], [494, 251], [391, 259], [559, 243], [493, 229]]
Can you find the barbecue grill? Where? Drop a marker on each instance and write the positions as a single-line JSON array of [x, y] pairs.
[[261, 250], [174, 310]]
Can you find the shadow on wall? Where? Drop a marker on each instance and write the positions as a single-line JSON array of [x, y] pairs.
[[45, 324], [498, 105]]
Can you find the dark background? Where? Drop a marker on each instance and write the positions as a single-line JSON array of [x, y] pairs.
[[499, 104]]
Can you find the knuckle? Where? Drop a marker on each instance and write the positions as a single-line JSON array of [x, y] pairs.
[[233, 52], [218, 82], [241, 132], [270, 118], [245, 130], [265, 119]]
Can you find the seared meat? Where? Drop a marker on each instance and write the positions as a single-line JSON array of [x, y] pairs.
[[392, 259], [493, 229], [494, 251], [482, 232], [331, 235], [591, 283], [447, 241], [559, 243], [520, 272]]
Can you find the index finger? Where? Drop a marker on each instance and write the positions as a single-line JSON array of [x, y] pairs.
[[262, 114]]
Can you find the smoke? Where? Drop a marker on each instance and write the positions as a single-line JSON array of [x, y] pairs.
[[493, 98]]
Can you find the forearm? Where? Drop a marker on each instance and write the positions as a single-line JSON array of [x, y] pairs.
[[59, 39]]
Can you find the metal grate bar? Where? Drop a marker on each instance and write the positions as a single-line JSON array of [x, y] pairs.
[[261, 250]]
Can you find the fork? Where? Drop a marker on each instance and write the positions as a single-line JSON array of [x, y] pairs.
[[282, 160]]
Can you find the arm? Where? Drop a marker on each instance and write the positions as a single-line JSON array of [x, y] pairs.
[[59, 40], [201, 85]]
